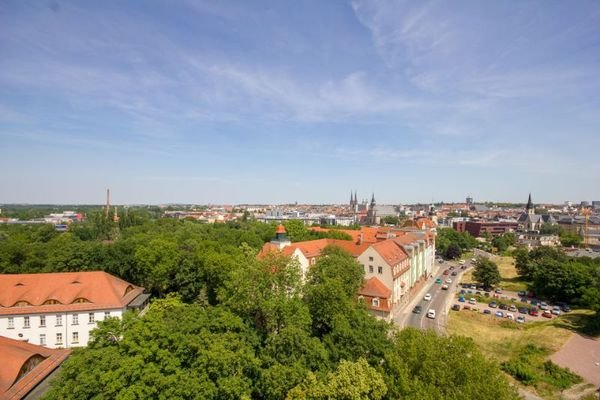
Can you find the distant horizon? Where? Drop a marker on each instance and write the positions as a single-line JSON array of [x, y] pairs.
[[233, 101]]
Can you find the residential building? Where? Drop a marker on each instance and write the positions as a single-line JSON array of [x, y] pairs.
[[58, 310]]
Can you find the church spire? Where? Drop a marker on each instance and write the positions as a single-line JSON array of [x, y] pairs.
[[529, 208]]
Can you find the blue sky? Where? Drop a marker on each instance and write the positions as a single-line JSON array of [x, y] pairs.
[[283, 101]]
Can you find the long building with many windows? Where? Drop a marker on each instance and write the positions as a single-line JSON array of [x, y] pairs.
[[58, 310]]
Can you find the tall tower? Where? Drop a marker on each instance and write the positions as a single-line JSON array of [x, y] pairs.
[[530, 208], [351, 200], [107, 209]]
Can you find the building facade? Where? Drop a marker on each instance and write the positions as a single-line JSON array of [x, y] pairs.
[[58, 310]]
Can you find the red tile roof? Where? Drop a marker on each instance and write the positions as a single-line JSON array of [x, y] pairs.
[[369, 234], [280, 229], [375, 288], [314, 248], [390, 251], [70, 290], [15, 355]]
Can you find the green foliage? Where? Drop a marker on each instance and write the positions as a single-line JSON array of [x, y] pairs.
[[225, 325], [390, 220], [531, 368], [452, 244], [350, 381], [570, 239], [486, 272], [174, 351]]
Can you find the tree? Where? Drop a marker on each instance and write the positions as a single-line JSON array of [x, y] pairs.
[[570, 239], [350, 381], [486, 272], [453, 251]]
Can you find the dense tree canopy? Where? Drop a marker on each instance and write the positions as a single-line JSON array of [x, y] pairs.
[[552, 274], [226, 325], [452, 244]]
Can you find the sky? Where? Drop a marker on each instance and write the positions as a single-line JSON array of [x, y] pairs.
[[228, 102]]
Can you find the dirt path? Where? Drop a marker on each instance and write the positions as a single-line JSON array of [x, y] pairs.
[[581, 354]]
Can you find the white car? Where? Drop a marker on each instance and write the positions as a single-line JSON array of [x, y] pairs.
[[427, 297], [431, 314], [510, 316], [462, 262], [448, 280]]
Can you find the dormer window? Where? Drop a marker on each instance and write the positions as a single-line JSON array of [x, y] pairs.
[[51, 301], [22, 303], [80, 300]]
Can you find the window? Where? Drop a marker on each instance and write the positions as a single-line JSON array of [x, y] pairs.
[[26, 322], [313, 261], [59, 338], [75, 337], [11, 323], [375, 302], [42, 321], [106, 314], [42, 339], [91, 318], [380, 270], [370, 258], [370, 268], [59, 320], [75, 319]]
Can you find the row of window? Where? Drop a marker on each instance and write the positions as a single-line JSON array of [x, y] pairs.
[[379, 269], [59, 339], [58, 320]]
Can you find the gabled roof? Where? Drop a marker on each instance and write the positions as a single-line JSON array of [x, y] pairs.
[[375, 288], [15, 380], [67, 290], [391, 251]]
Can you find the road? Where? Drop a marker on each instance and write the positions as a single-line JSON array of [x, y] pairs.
[[440, 302]]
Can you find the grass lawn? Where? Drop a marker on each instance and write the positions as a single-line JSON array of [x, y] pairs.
[[506, 341], [508, 272]]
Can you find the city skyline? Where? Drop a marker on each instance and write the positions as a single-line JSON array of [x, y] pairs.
[[273, 102]]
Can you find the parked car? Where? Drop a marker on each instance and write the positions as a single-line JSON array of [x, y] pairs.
[[456, 307], [463, 266], [438, 281], [451, 267], [512, 308], [466, 307], [498, 290], [493, 304], [522, 293], [446, 272], [520, 319], [454, 273], [533, 311], [487, 311], [448, 280], [543, 306], [444, 287], [556, 310], [503, 306], [499, 314], [566, 308], [534, 302], [472, 301], [462, 262], [461, 299], [523, 310], [417, 309], [547, 314], [510, 316], [431, 314], [473, 260], [427, 297]]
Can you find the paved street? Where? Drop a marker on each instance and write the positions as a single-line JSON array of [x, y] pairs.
[[440, 302]]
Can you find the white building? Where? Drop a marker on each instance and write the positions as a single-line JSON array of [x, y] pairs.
[[58, 310]]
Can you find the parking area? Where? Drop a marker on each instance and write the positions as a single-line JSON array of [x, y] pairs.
[[509, 305]]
